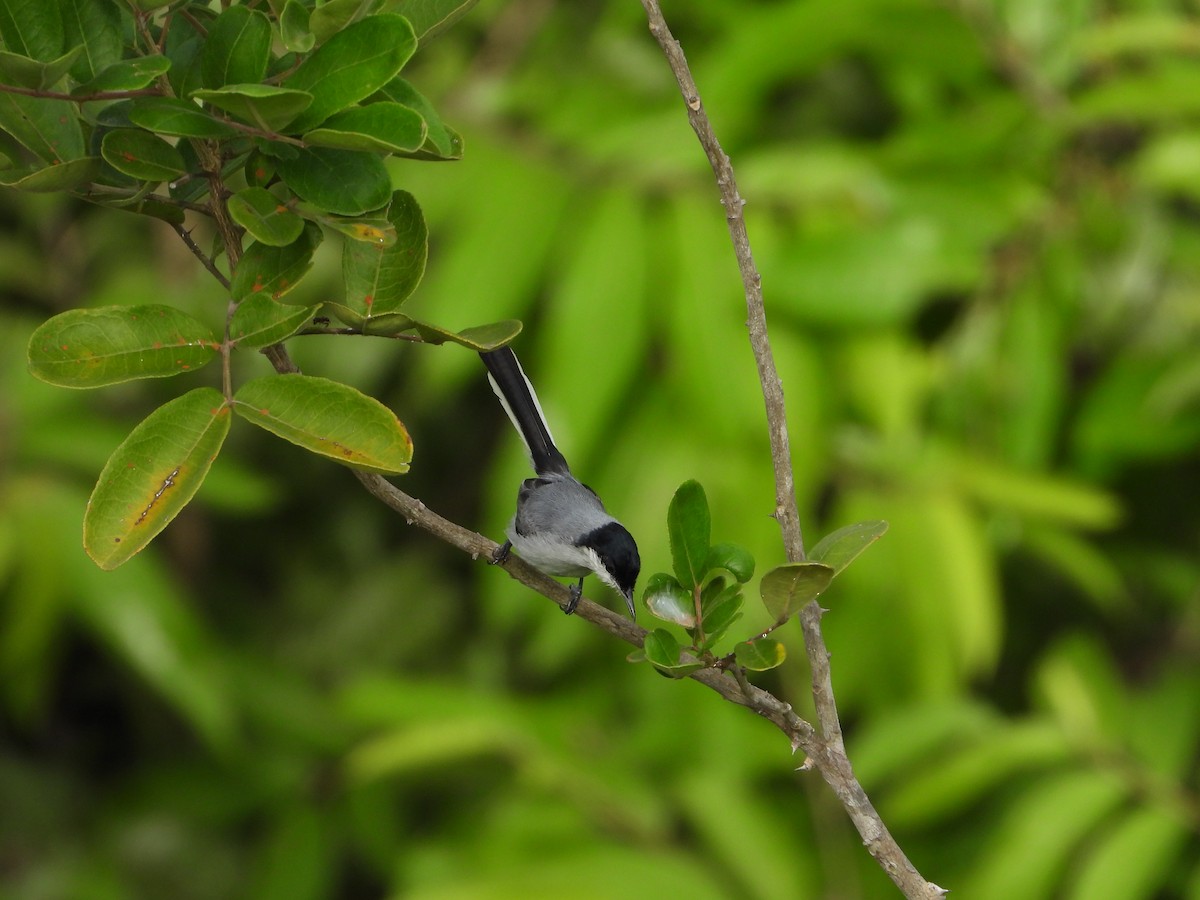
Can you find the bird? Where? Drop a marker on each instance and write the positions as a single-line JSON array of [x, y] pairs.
[[561, 526]]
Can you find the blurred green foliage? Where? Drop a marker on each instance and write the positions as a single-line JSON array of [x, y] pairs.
[[977, 226]]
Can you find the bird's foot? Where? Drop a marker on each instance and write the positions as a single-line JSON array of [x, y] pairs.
[[575, 592], [500, 554]]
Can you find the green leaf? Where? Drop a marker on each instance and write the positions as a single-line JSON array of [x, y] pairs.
[[378, 127], [431, 17], [153, 474], [688, 527], [294, 27], [260, 321], [787, 589], [141, 155], [260, 168], [351, 66], [180, 118], [760, 654], [733, 559], [662, 650], [84, 348], [379, 279], [441, 141], [30, 73], [33, 29], [334, 15], [720, 610], [266, 219], [263, 105], [238, 48], [274, 271], [380, 232], [346, 182], [840, 548], [666, 599], [125, 75], [51, 179], [47, 128], [329, 419], [98, 28], [477, 337]]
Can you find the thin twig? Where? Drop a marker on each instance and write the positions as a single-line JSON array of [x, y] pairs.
[[829, 754], [786, 511], [186, 236], [79, 98]]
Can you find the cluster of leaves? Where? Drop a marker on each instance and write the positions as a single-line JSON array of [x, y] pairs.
[[700, 598], [276, 123]]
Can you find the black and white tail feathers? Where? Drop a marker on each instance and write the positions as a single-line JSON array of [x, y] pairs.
[[521, 403]]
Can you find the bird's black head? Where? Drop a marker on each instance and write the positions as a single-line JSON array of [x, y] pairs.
[[618, 554]]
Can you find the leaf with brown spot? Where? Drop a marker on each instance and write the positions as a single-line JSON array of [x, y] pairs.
[[328, 418], [85, 348], [153, 474]]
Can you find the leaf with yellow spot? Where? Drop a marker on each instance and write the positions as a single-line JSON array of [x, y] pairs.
[[380, 277], [153, 474], [328, 418]]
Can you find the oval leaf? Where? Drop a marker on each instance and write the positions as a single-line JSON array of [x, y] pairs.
[[379, 127], [266, 219], [345, 182], [688, 526], [126, 75], [49, 128], [663, 651], [328, 418], [352, 65], [179, 118], [839, 548], [787, 589], [293, 27], [379, 278], [667, 600], [153, 474], [274, 271], [85, 348], [260, 321], [735, 560], [441, 142], [31, 73], [238, 48], [264, 105], [141, 155], [51, 179], [372, 231], [760, 655], [720, 611]]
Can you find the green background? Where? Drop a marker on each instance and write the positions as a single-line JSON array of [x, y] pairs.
[[978, 225]]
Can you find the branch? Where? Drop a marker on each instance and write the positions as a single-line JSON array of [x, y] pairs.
[[801, 734], [185, 235], [80, 98], [828, 754]]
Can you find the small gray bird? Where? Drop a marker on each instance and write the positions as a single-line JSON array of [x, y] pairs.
[[561, 527]]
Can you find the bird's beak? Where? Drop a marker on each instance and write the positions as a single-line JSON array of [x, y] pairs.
[[629, 602]]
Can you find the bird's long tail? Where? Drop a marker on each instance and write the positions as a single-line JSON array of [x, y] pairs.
[[520, 401]]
